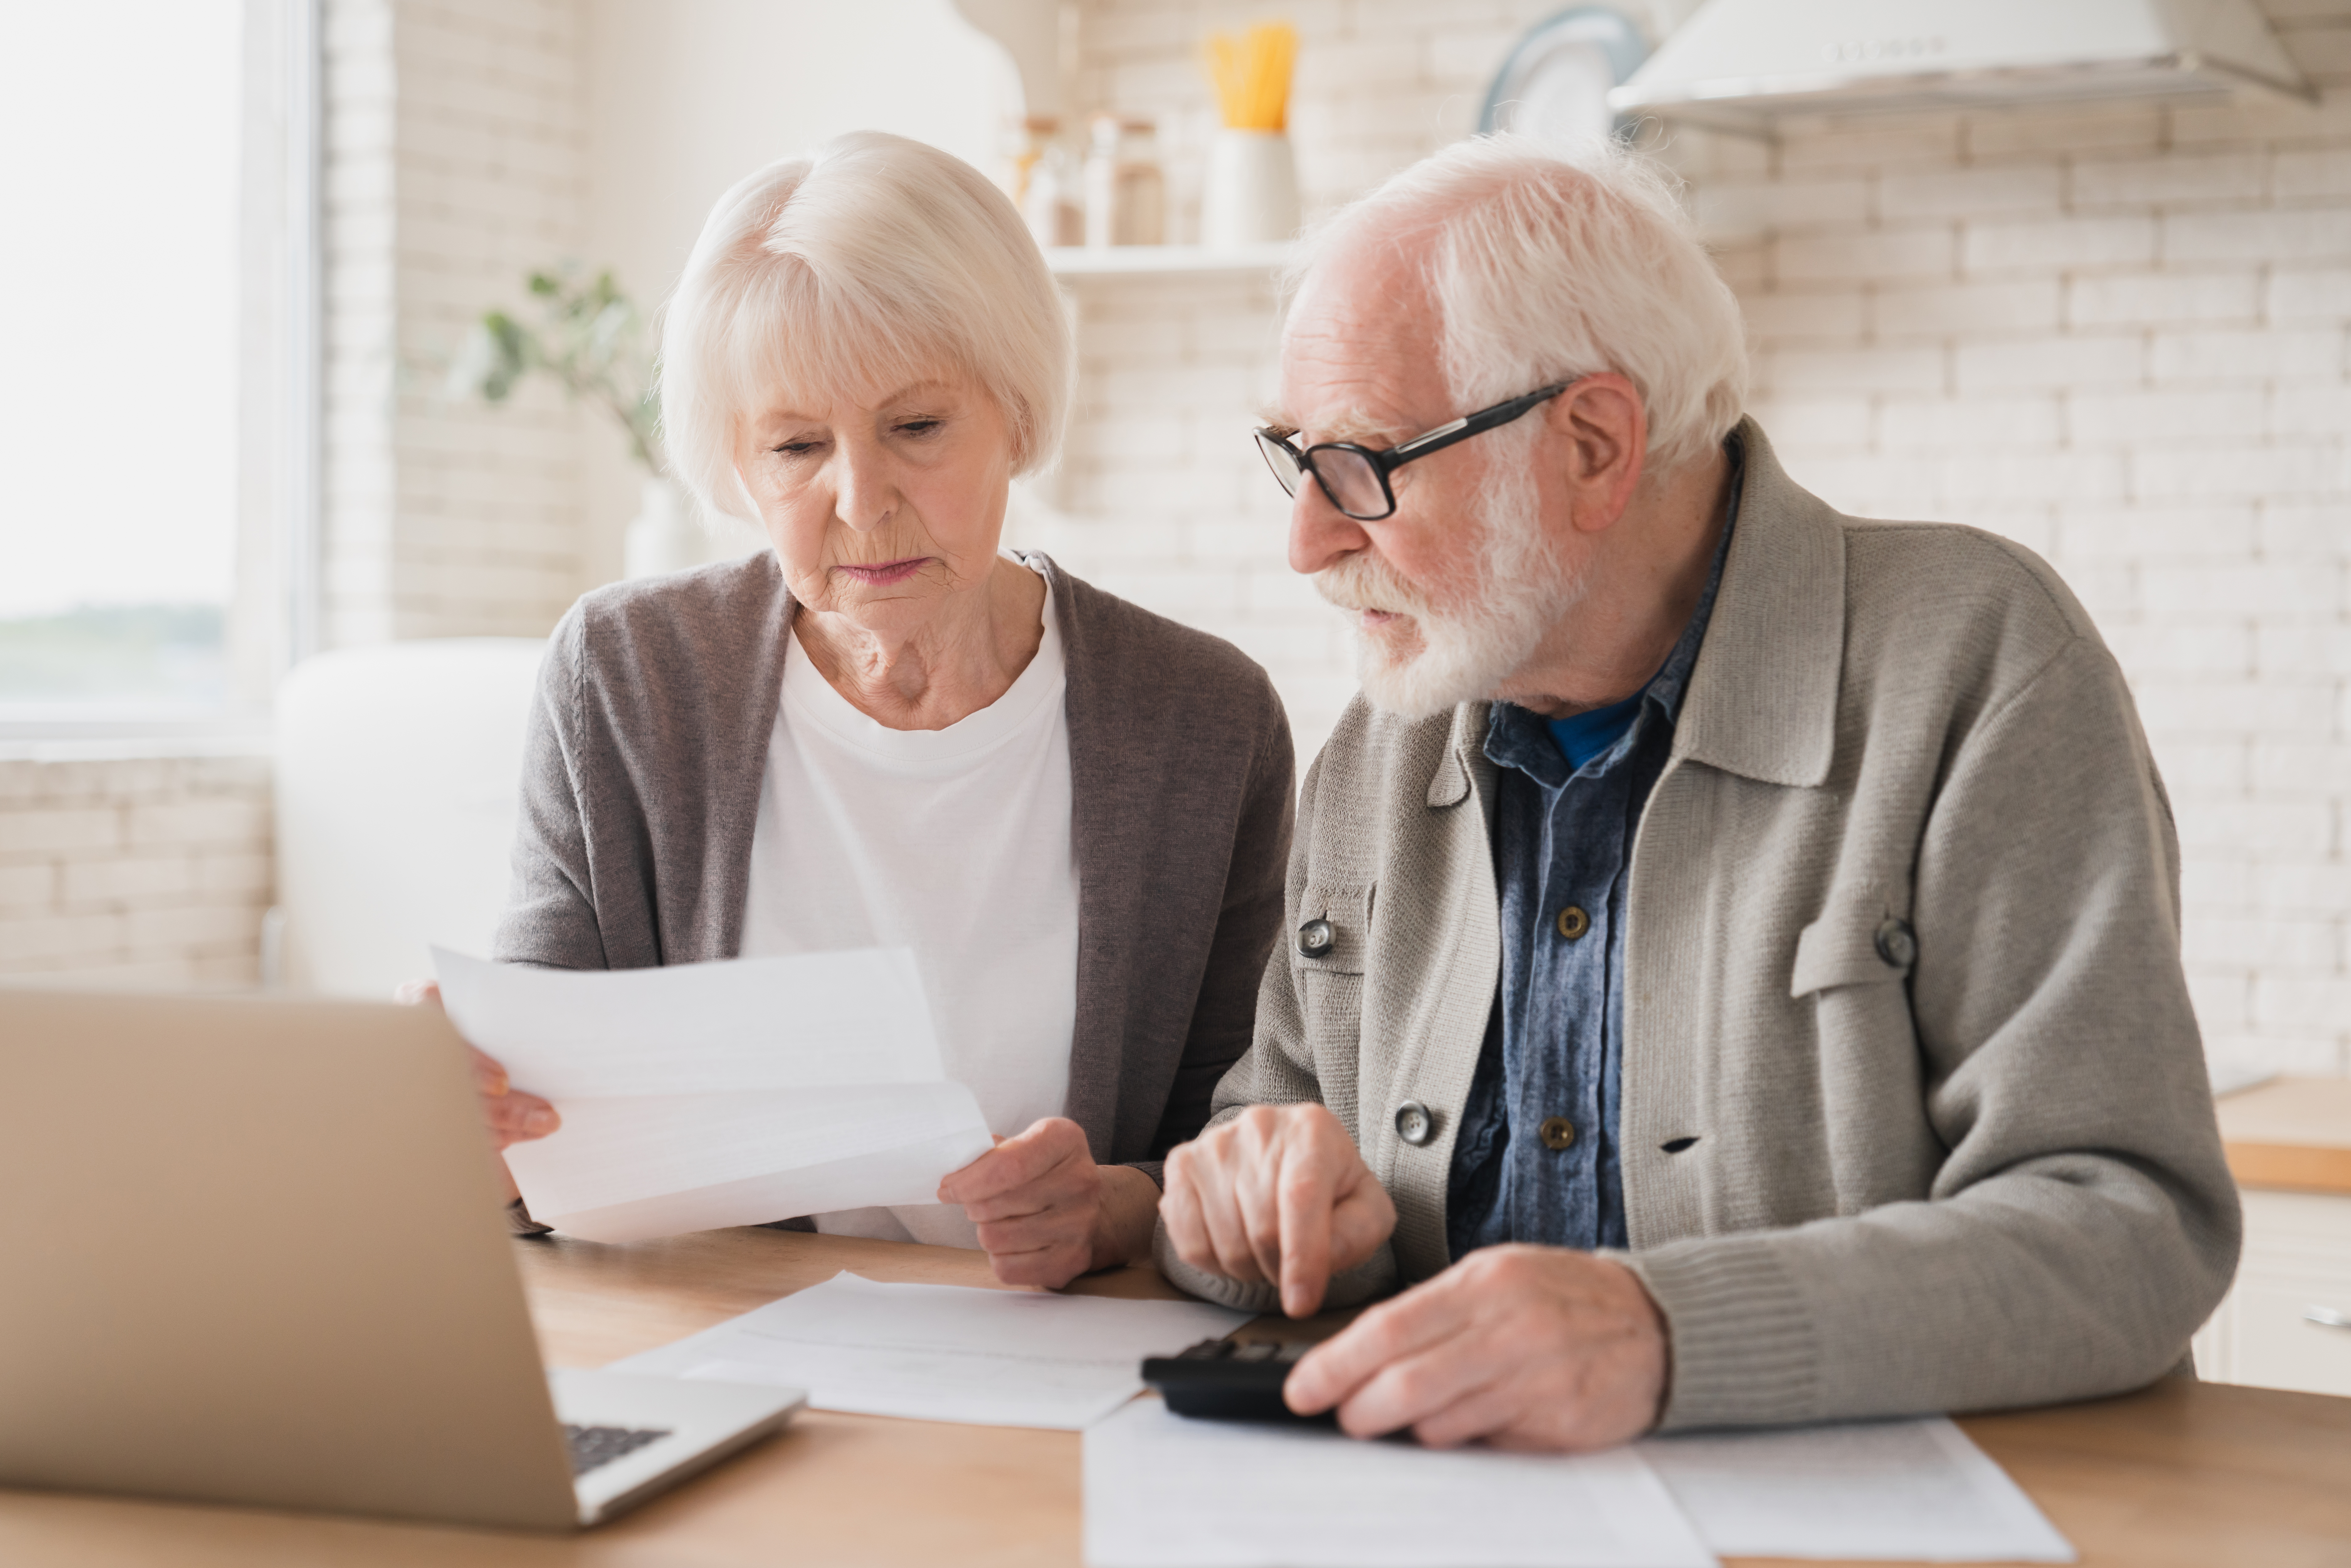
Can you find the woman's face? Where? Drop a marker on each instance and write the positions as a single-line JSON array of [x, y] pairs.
[[881, 512]]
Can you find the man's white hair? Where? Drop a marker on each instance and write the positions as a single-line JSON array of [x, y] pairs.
[[866, 265], [1549, 262]]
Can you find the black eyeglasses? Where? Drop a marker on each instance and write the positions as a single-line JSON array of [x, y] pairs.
[[1356, 478]]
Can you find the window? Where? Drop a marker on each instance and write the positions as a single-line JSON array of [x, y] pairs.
[[121, 135]]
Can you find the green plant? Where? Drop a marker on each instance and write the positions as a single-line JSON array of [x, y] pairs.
[[590, 338]]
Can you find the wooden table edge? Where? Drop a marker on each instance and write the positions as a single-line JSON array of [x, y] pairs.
[[2291, 1167]]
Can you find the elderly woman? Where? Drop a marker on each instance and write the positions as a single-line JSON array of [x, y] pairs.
[[889, 730]]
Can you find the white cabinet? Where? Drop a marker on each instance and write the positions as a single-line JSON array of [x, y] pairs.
[[2296, 1271]]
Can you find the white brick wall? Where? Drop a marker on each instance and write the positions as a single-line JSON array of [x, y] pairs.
[[139, 871], [2119, 334], [454, 166]]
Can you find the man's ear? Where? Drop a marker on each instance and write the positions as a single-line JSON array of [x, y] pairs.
[[1600, 432]]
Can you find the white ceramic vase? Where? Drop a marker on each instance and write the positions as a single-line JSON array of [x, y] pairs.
[[1250, 197], [665, 538]]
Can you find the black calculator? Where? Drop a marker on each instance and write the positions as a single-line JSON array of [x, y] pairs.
[[1225, 1380]]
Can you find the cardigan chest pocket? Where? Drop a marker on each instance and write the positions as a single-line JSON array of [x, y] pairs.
[[1332, 932], [1328, 941], [1855, 942]]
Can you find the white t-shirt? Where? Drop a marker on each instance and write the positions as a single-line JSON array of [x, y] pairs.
[[954, 842]]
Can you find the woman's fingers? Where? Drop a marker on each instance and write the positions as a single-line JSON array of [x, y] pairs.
[[1034, 1200], [488, 1075], [1051, 1262], [417, 993], [956, 1185], [1045, 1150], [1070, 1185], [515, 1117]]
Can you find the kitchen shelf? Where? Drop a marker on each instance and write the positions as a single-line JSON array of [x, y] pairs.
[[1145, 260]]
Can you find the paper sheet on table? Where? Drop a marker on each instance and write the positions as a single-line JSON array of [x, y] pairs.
[[1911, 1491], [703, 1095], [946, 1352], [1161, 1491]]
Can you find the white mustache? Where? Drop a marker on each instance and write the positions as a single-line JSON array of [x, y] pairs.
[[1363, 581]]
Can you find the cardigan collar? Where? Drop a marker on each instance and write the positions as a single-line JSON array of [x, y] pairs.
[[1762, 701]]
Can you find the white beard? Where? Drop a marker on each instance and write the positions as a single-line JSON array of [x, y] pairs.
[[1467, 652]]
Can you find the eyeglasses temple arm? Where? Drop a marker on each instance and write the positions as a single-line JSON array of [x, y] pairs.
[[1471, 425]]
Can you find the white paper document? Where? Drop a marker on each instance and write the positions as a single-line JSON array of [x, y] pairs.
[[1161, 1491], [1910, 1490], [946, 1352], [701, 1095]]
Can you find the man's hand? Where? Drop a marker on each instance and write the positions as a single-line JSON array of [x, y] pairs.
[[1046, 1213], [1277, 1194], [1527, 1347]]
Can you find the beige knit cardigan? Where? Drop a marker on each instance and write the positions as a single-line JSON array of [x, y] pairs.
[[1861, 1178]]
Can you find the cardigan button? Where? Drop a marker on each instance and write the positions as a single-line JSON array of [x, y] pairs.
[[1414, 1123], [1897, 944], [1317, 937]]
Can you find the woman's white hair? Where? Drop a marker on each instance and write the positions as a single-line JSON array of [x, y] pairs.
[[868, 265], [1550, 262]]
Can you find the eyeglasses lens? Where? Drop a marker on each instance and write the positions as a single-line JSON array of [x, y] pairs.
[[1283, 463], [1351, 483]]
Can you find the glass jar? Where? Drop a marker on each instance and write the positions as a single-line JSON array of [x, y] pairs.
[[1126, 194], [1024, 144], [1050, 188]]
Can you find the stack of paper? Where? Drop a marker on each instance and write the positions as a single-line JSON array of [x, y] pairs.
[[946, 1352], [1916, 1492], [1162, 1491], [710, 1094], [1165, 1492]]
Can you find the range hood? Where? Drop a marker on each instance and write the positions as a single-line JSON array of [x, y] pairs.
[[1738, 65]]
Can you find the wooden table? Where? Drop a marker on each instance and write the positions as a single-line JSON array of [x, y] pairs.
[[2197, 1475]]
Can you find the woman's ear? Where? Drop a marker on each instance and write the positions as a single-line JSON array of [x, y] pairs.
[[1600, 434]]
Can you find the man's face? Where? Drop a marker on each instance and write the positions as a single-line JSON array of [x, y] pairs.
[[1453, 591]]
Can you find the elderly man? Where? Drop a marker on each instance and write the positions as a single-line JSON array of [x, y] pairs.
[[1732, 961]]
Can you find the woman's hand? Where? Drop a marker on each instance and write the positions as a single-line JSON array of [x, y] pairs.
[[513, 1116], [1046, 1213]]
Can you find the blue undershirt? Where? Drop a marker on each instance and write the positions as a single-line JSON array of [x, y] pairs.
[[1585, 735]]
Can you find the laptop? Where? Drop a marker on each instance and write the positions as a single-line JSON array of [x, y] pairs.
[[252, 1252]]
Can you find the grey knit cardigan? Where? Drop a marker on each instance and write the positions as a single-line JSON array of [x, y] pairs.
[[641, 787]]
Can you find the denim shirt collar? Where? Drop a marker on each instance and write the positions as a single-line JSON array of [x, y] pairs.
[[1516, 737]]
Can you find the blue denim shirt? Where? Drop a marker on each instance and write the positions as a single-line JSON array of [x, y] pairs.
[[1536, 1159]]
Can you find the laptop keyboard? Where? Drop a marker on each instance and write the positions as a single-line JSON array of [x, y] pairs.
[[594, 1448]]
